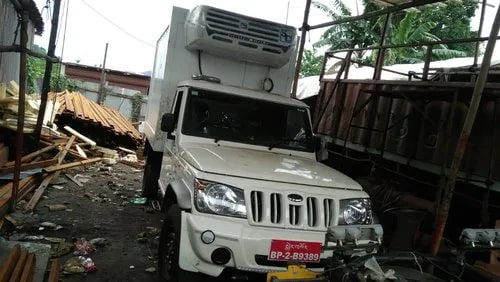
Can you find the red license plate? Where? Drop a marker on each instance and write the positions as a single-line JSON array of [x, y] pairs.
[[300, 251]]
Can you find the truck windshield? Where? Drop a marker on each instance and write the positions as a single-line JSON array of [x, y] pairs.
[[233, 118]]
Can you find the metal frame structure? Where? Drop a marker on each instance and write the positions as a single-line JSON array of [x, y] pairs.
[[22, 9], [448, 91]]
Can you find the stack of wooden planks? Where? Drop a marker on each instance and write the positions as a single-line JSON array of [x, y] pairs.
[[108, 127], [40, 167], [19, 266]]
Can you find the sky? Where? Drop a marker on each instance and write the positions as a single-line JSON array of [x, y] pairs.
[[132, 27]]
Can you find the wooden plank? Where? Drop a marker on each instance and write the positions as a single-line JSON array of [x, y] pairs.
[[62, 154], [10, 263], [18, 270], [56, 168], [27, 188], [39, 192], [133, 164], [76, 155], [46, 181], [5, 191], [32, 155], [29, 268], [54, 271], [74, 180], [40, 164]]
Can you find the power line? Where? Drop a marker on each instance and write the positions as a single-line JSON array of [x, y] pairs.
[[117, 26]]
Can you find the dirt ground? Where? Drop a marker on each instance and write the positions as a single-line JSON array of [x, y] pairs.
[[100, 209]]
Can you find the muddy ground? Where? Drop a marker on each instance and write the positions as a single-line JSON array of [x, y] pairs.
[[100, 209]]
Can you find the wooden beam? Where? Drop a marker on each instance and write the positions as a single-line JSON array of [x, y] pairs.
[[10, 263], [18, 270], [133, 164], [40, 164], [57, 168], [46, 181], [74, 180], [54, 271], [5, 191], [32, 155], [39, 192], [29, 268], [62, 154]]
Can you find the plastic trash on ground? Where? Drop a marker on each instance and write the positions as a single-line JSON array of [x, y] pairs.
[[83, 247]]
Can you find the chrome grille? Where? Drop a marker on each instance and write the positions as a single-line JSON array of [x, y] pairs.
[[312, 212], [294, 214], [275, 209], [256, 202], [327, 211]]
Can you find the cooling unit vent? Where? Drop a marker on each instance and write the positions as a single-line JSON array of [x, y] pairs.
[[236, 36]]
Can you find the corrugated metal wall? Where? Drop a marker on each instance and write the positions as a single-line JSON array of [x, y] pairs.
[[9, 62], [419, 127]]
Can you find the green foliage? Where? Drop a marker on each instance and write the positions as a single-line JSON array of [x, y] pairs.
[[136, 106], [441, 21], [354, 34], [36, 70], [311, 63]]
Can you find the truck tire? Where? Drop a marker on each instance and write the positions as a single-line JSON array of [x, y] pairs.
[[169, 247], [151, 172]]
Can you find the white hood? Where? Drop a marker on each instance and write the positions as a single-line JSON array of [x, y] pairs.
[[264, 166]]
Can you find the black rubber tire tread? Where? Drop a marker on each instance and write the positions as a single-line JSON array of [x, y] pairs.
[[172, 224]]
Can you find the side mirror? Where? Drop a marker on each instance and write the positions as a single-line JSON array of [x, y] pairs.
[[320, 148], [316, 143], [167, 123]]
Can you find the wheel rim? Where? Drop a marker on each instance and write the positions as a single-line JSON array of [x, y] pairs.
[[168, 258]]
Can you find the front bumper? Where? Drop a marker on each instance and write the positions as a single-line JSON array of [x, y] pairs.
[[244, 242]]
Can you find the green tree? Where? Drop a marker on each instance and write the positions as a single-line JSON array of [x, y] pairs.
[[449, 20], [452, 21], [356, 34], [413, 29], [311, 63], [36, 70]]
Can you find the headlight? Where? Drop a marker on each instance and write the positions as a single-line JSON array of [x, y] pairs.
[[221, 199], [355, 211]]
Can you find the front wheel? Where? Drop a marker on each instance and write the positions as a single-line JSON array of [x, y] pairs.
[[170, 239]]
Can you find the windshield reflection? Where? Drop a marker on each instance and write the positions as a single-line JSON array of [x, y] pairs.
[[233, 118]]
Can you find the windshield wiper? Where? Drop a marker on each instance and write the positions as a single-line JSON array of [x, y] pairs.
[[285, 140]]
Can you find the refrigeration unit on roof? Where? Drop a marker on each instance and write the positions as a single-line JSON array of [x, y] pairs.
[[239, 37]]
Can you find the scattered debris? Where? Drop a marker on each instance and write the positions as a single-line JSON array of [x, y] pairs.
[[79, 264], [82, 247], [52, 225], [60, 249], [98, 242], [76, 181], [138, 201], [73, 265], [57, 207], [131, 267], [58, 187], [150, 269]]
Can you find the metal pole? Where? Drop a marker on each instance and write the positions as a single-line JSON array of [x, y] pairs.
[[464, 137], [20, 109], [103, 74], [305, 28], [381, 52], [385, 11], [48, 70], [481, 22]]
